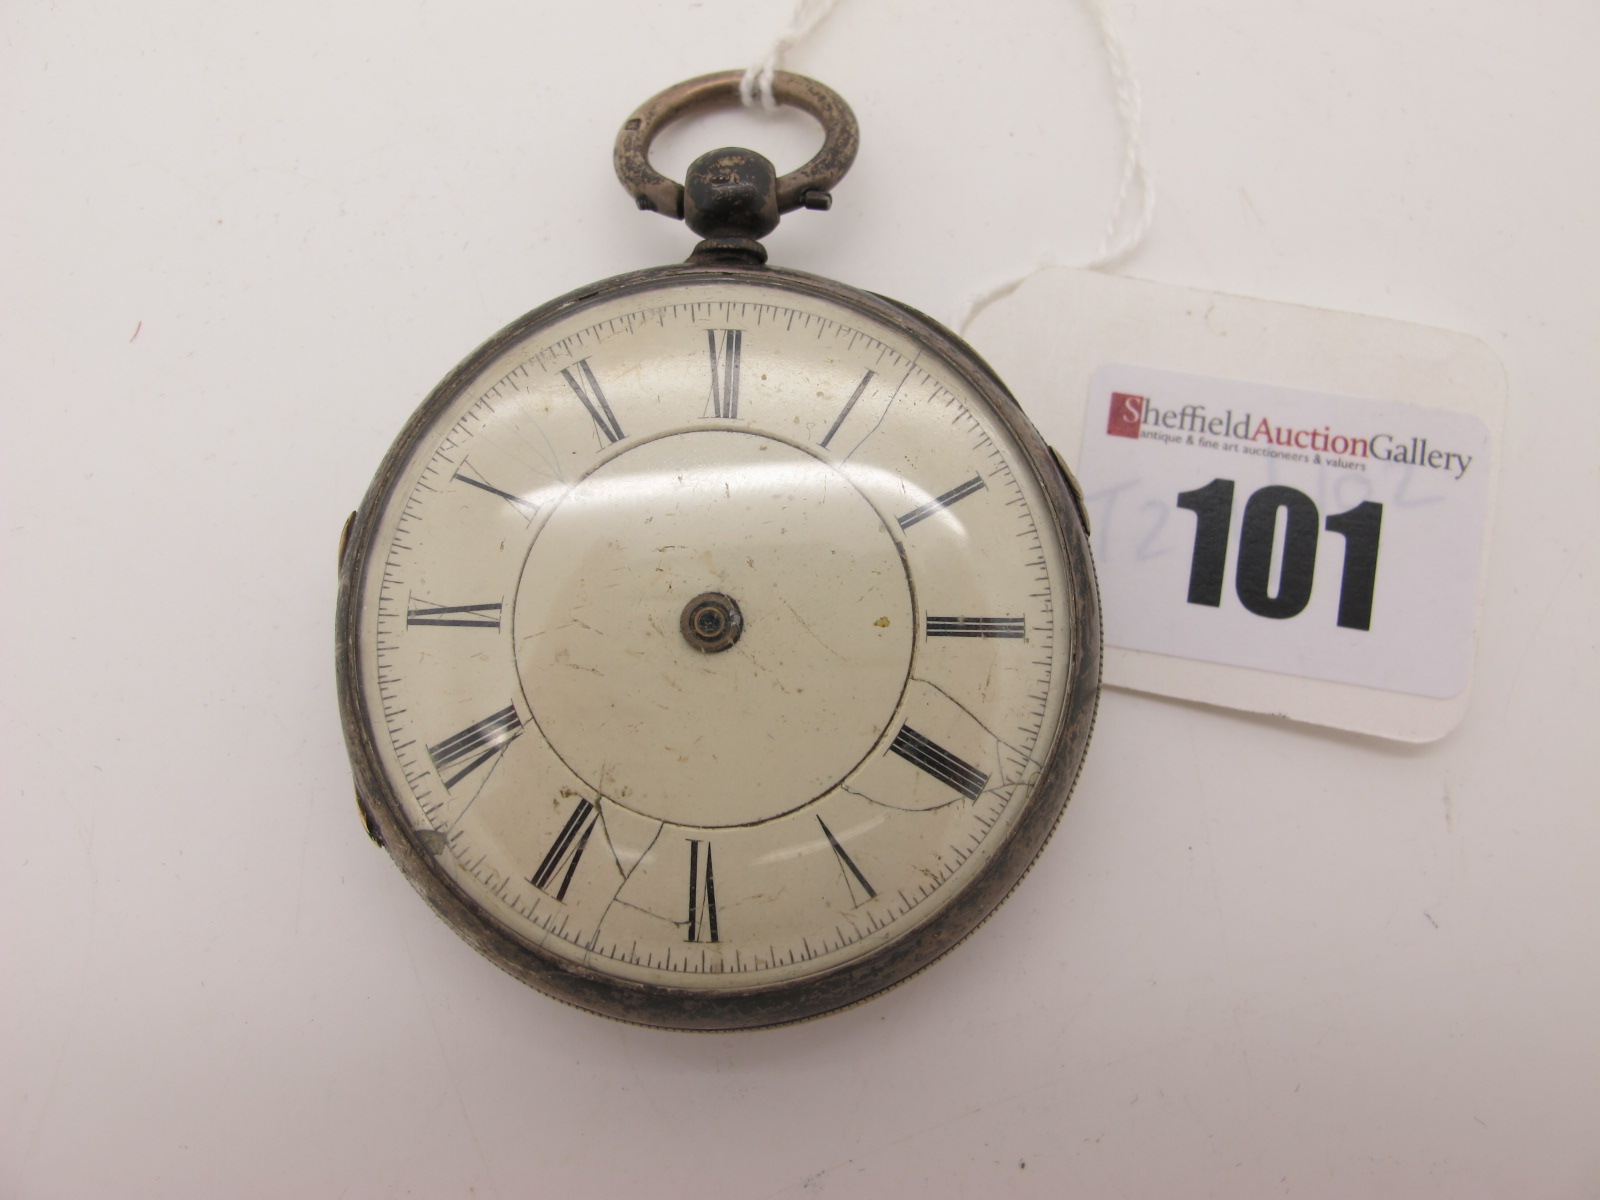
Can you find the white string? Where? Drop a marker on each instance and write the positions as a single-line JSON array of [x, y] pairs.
[[1135, 177], [757, 82], [1123, 234]]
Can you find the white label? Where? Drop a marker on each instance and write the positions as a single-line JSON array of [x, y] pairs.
[[1418, 410], [1289, 531]]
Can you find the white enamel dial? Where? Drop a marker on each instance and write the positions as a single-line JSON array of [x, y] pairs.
[[711, 636]]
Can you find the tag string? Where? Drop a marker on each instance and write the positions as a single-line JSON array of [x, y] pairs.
[[1133, 210], [756, 86]]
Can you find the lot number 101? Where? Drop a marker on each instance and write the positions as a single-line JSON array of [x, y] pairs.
[[1212, 506]]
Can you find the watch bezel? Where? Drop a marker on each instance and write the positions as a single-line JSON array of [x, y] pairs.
[[829, 990]]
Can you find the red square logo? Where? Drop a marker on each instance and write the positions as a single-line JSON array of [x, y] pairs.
[[1127, 415]]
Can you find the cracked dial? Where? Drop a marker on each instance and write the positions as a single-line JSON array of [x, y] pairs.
[[718, 646]]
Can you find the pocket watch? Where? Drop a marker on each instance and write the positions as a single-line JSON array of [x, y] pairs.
[[718, 644]]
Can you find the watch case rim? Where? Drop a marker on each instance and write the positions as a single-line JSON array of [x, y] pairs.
[[849, 983]]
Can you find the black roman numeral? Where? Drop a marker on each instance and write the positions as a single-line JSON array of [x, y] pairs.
[[848, 405], [474, 745], [567, 850], [582, 381], [849, 866], [725, 370], [939, 762], [959, 492], [702, 894], [982, 627], [475, 480], [459, 616]]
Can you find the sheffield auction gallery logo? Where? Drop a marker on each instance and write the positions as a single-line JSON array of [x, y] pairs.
[[1127, 415], [1133, 416]]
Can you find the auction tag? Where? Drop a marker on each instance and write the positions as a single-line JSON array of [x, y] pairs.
[[1324, 536], [1289, 506]]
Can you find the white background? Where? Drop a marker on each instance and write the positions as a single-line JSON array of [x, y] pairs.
[[240, 242]]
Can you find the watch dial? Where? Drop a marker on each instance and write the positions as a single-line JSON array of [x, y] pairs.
[[711, 635]]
